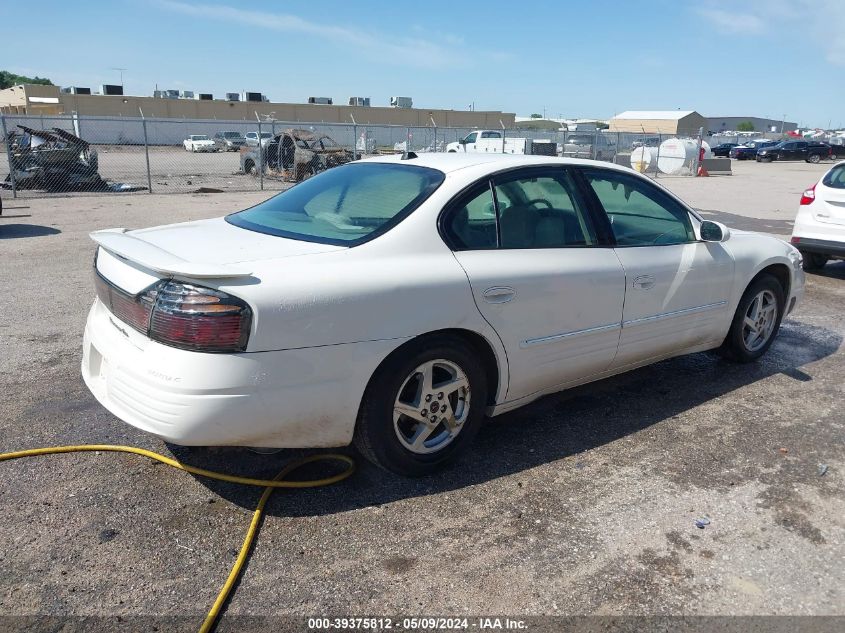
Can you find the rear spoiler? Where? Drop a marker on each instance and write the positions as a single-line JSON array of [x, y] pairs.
[[118, 242]]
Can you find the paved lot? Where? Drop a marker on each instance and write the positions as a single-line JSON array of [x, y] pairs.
[[582, 503]]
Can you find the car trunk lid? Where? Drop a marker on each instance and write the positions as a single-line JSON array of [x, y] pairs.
[[204, 249]]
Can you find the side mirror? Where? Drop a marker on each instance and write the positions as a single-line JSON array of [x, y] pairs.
[[463, 141], [714, 231]]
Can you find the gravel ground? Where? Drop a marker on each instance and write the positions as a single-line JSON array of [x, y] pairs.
[[582, 503]]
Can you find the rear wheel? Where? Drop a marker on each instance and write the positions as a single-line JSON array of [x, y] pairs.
[[756, 320], [423, 406], [814, 158], [814, 261]]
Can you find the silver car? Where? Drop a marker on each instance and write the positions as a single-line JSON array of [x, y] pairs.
[[597, 146], [229, 141], [252, 138]]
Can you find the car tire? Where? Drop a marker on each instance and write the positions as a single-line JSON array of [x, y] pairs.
[[406, 445], [813, 261], [814, 158], [759, 312]]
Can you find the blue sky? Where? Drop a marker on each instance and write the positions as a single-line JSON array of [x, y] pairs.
[[574, 59]]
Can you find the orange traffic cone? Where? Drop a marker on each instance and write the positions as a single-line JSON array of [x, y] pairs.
[[702, 171]]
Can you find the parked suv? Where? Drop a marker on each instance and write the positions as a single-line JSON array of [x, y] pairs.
[[810, 151], [252, 138], [819, 231], [229, 141], [581, 146]]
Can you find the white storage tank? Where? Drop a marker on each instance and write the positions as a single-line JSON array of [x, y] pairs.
[[644, 158], [676, 155]]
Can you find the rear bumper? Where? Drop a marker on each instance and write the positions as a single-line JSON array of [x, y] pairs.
[[283, 399], [821, 247]]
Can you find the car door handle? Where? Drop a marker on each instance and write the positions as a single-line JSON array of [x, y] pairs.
[[643, 282], [499, 294]]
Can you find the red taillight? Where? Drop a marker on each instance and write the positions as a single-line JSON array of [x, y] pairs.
[[182, 315], [808, 196], [132, 310], [198, 318]]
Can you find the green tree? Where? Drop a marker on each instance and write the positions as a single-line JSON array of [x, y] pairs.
[[536, 116], [745, 126], [7, 80]]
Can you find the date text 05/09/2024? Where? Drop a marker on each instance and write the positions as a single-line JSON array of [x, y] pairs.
[[425, 623]]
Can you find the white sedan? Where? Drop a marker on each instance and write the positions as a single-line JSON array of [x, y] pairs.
[[396, 301], [199, 143]]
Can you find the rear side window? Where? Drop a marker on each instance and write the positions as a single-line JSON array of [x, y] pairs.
[[541, 211], [530, 210], [346, 205], [835, 178], [471, 223]]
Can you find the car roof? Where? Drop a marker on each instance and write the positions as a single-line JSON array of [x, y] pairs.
[[449, 162]]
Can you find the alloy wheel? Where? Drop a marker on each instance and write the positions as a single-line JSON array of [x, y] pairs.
[[432, 405], [760, 319]]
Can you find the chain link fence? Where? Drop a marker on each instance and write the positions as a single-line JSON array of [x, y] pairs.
[[63, 155]]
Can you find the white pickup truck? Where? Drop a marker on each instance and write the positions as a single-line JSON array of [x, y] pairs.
[[491, 141]]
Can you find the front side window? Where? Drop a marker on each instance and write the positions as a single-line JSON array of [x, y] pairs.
[[471, 137], [345, 205], [640, 214]]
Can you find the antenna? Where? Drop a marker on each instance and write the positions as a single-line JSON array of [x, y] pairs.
[[121, 74]]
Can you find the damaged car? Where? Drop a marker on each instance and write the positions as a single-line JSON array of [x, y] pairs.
[[294, 155], [53, 160]]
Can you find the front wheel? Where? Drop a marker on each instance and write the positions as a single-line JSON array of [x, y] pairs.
[[756, 321], [423, 406]]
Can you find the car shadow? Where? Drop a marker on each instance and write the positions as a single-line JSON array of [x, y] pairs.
[[831, 270], [782, 228], [554, 428], [13, 231]]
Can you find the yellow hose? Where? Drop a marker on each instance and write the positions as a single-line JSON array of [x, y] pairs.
[[270, 485]]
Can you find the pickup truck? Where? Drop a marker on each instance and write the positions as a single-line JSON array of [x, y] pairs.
[[490, 141], [810, 151]]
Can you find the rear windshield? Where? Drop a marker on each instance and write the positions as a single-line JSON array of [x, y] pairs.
[[346, 205], [580, 140], [835, 178]]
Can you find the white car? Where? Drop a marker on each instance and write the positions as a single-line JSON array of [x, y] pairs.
[[396, 301], [199, 143], [252, 138], [819, 231]]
